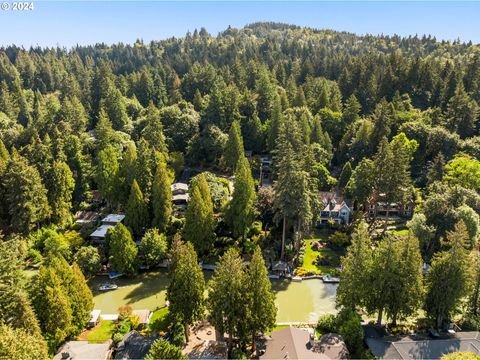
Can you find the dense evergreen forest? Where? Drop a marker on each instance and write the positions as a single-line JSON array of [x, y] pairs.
[[110, 128]]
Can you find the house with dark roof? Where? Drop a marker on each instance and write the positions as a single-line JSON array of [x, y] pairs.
[[133, 346], [335, 208], [300, 343], [81, 350], [412, 347]]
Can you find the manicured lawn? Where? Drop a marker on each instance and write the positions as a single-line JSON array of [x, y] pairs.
[[158, 321], [311, 255], [102, 332]]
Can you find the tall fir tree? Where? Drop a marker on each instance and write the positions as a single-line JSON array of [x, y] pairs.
[[345, 175], [354, 288], [60, 190], [136, 211], [443, 295], [187, 286], [261, 309], [240, 213], [226, 297], [107, 173], [234, 148], [199, 226], [161, 197], [126, 173], [25, 195]]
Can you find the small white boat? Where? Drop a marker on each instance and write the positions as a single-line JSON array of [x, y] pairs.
[[330, 279], [107, 286], [297, 278]]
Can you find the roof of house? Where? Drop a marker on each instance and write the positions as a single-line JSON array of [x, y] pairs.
[[143, 315], [280, 265], [113, 218], [179, 186], [86, 217], [332, 198], [133, 346], [101, 231], [294, 343], [178, 197], [331, 345], [83, 350], [409, 348]]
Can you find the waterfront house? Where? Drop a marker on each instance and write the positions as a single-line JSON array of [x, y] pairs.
[[80, 350], [133, 346], [99, 235], [411, 347], [300, 343], [334, 208]]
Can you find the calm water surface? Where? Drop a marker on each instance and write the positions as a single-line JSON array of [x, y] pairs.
[[296, 301]]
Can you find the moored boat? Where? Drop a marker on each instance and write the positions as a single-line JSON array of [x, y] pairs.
[[108, 286]]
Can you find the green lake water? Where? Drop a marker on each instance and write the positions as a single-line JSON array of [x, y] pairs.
[[296, 301]]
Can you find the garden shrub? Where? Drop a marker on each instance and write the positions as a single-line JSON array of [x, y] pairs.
[[327, 324]]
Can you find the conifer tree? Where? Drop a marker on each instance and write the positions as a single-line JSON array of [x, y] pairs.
[[161, 197], [104, 132], [60, 189], [443, 295], [436, 170], [300, 98], [351, 111], [136, 211], [126, 173], [162, 349], [19, 344], [106, 173], [345, 175], [240, 213], [276, 122], [4, 156], [25, 194], [15, 306], [187, 286], [234, 147], [153, 131], [261, 308], [122, 249], [353, 290], [199, 220], [145, 166], [51, 307], [79, 296], [407, 281], [226, 297], [115, 108]]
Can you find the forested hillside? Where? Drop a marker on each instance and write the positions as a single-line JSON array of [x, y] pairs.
[[368, 116]]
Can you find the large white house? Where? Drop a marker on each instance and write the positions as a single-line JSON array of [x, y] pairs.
[[334, 208]]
